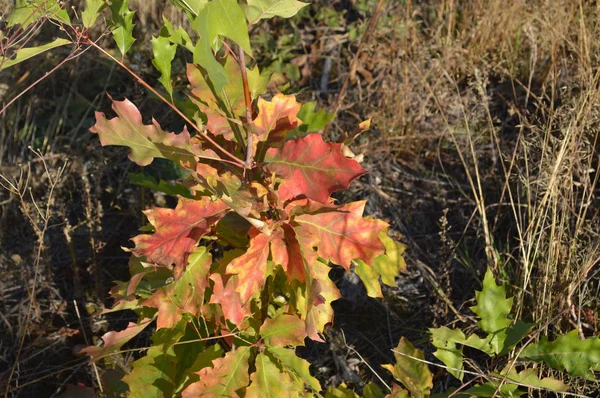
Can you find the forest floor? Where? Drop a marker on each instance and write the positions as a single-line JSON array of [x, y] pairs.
[[483, 153]]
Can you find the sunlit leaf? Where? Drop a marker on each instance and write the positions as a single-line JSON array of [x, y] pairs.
[[219, 18], [251, 267], [370, 279], [177, 36], [493, 308], [177, 231], [29, 52], [313, 121], [114, 340], [293, 364], [343, 237], [276, 117], [263, 9], [227, 375], [270, 381], [186, 295], [284, 329], [229, 298], [311, 168], [390, 264], [146, 141]]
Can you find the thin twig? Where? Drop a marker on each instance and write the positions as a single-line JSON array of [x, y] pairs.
[[248, 100]]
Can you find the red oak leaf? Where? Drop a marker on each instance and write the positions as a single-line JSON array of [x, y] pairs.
[[343, 237], [251, 267], [229, 299], [227, 375], [311, 168], [177, 231], [276, 117], [114, 340], [146, 141], [185, 295]]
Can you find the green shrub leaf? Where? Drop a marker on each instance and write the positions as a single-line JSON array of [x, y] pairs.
[[412, 373], [122, 25], [567, 352], [493, 308]]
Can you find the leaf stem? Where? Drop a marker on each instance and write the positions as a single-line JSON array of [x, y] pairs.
[[247, 98], [205, 136]]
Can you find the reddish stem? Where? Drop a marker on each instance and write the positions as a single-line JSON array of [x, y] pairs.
[[248, 99]]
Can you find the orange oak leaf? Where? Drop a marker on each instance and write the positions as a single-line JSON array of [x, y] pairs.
[[285, 251], [229, 299], [276, 117], [185, 295], [114, 340], [311, 168], [177, 231], [146, 141], [343, 237], [227, 375], [251, 267]]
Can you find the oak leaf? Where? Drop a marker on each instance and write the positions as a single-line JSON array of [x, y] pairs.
[[343, 237], [229, 298], [146, 141], [114, 340], [177, 231], [185, 295], [311, 168], [251, 267], [227, 375], [276, 117]]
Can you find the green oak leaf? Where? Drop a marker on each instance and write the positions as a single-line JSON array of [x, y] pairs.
[[164, 53], [271, 381], [219, 18], [29, 52], [412, 373], [264, 9], [390, 264], [91, 12], [369, 277], [122, 25], [294, 365], [313, 121], [176, 36], [26, 12], [493, 308], [568, 353]]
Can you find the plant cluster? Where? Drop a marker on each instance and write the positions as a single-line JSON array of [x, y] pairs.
[[235, 277]]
